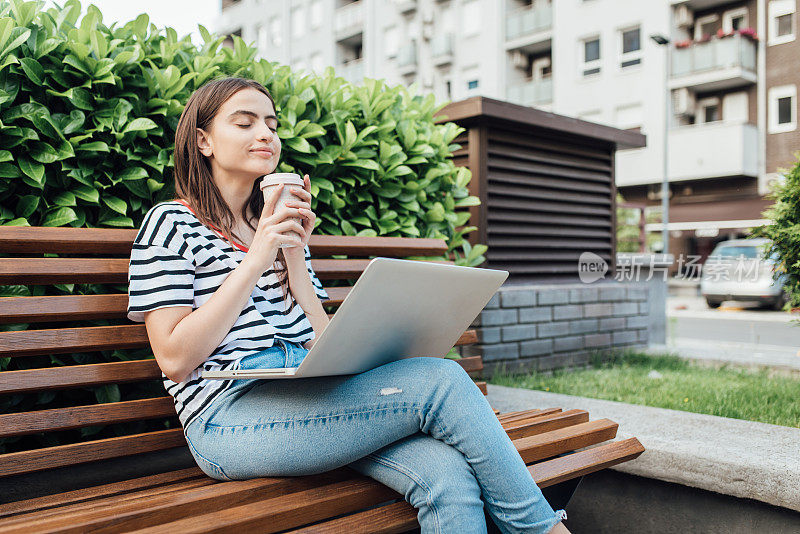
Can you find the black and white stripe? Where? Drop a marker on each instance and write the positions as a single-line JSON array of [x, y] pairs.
[[177, 261]]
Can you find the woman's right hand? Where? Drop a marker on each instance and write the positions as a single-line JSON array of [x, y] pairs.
[[270, 231]]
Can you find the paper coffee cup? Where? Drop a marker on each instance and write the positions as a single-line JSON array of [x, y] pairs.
[[290, 181]]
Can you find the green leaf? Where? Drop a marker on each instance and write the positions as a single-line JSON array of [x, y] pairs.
[[27, 205], [5, 155], [132, 173], [60, 217], [86, 193], [115, 204], [94, 146], [9, 170], [466, 202], [121, 222], [33, 169], [140, 124], [33, 70], [43, 153], [322, 183], [65, 198]]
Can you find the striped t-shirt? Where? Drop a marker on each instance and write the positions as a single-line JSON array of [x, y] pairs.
[[178, 261]]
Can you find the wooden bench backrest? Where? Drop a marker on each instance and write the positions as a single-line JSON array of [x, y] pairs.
[[101, 256]]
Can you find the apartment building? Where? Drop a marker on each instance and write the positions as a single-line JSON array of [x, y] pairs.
[[731, 74]]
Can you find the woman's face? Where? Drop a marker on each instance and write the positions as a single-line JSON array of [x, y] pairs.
[[241, 139]]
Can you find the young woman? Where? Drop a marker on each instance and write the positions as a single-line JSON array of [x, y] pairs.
[[215, 291]]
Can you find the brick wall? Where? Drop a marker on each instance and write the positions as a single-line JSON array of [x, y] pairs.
[[783, 68], [536, 327]]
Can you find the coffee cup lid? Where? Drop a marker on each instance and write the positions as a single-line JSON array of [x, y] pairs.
[[281, 178]]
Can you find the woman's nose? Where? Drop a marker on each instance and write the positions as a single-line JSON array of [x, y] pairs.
[[265, 133]]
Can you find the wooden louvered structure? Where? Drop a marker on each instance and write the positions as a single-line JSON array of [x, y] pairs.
[[146, 479], [546, 184]]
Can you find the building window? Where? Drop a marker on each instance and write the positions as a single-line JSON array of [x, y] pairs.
[[472, 84], [734, 20], [275, 31], [706, 26], [631, 48], [782, 109], [390, 41], [315, 13], [781, 21], [298, 22], [471, 11], [261, 38], [317, 65], [630, 117], [591, 56]]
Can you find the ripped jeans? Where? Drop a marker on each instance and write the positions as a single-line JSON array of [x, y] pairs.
[[419, 425]]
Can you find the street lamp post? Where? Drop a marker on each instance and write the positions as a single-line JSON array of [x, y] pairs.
[[665, 42]]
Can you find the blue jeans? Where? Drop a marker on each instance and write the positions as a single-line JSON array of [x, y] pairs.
[[419, 425]]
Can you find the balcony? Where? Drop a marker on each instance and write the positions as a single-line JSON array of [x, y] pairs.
[[405, 6], [713, 150], [716, 64], [352, 71], [349, 21], [407, 59], [442, 49], [530, 29], [698, 5], [531, 92]]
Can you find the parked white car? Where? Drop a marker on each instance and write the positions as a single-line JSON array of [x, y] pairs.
[[737, 270]]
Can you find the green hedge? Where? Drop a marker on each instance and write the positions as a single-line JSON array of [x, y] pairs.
[[87, 121], [784, 231], [89, 114]]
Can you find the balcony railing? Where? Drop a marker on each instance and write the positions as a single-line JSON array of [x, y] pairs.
[[407, 58], [528, 21], [349, 20], [531, 93], [713, 150], [352, 71], [442, 48], [715, 60]]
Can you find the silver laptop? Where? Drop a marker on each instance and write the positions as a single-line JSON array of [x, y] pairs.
[[397, 309]]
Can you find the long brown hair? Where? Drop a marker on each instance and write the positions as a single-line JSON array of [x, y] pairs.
[[193, 179]]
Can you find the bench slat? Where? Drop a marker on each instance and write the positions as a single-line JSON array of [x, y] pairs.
[[93, 338], [62, 340], [106, 490], [394, 518], [118, 241], [14, 463], [545, 423], [84, 307], [20, 424], [72, 376], [567, 439], [120, 372], [146, 510], [585, 462], [115, 270]]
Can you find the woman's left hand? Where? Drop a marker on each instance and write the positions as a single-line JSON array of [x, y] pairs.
[[303, 202]]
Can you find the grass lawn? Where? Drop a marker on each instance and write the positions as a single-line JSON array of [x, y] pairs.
[[726, 391]]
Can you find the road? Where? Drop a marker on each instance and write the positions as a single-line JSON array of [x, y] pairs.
[[736, 332]]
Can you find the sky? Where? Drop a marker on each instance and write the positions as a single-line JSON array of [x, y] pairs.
[[183, 15]]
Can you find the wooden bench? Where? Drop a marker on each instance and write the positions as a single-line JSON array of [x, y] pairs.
[[146, 480]]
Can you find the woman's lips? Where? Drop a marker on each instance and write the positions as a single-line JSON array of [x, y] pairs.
[[263, 151]]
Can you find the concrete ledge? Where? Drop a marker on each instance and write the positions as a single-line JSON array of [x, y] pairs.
[[728, 456]]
